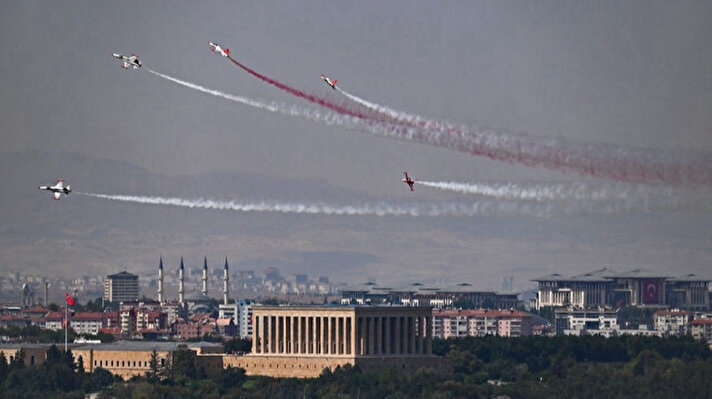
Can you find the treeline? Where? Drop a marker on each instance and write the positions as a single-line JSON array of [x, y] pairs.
[[57, 377], [530, 367]]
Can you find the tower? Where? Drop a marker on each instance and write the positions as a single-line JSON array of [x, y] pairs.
[[226, 282], [160, 280], [46, 293], [181, 287], [205, 276]]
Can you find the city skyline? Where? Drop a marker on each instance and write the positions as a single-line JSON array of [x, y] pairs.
[[600, 83]]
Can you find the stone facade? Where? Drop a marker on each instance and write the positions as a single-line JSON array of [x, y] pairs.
[[303, 341]]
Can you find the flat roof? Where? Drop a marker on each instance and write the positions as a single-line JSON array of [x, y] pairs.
[[145, 346]]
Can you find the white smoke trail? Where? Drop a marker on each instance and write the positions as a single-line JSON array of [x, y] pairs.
[[390, 112], [483, 208], [618, 163], [553, 191], [614, 162], [451, 209], [590, 198], [328, 117]]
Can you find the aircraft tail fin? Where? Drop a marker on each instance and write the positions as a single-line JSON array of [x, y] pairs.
[[227, 51]]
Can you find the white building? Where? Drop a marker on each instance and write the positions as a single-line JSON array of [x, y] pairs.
[[241, 312], [86, 323], [580, 321], [672, 322], [244, 320]]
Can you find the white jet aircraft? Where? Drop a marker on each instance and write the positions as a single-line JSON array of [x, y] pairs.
[[128, 61], [328, 81], [58, 189], [215, 48]]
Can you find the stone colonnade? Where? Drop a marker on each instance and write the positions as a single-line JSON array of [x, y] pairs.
[[349, 332]]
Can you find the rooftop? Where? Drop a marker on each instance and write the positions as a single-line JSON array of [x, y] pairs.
[[146, 346]]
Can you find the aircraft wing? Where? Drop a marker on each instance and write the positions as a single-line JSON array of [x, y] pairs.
[[57, 194]]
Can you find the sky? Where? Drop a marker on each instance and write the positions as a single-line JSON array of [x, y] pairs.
[[623, 73]]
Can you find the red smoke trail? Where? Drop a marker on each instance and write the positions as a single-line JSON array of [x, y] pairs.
[[599, 160], [309, 97]]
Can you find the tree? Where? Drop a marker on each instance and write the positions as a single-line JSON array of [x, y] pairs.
[[18, 361], [4, 368], [183, 367], [152, 373], [101, 377]]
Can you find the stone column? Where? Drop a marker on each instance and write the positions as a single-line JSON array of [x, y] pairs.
[[315, 334], [344, 336], [330, 335], [322, 334], [411, 324], [307, 336], [352, 352], [387, 336], [363, 336], [421, 334]]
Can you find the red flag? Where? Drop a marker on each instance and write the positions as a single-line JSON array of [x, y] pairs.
[[69, 299]]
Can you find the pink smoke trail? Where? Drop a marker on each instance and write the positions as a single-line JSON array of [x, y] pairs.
[[306, 96], [625, 164]]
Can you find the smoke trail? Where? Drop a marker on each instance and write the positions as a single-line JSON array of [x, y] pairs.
[[553, 191], [309, 97], [397, 116], [501, 208], [329, 118], [601, 160], [628, 165], [483, 208]]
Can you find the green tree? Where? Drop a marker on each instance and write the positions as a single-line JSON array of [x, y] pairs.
[[183, 367], [152, 373]]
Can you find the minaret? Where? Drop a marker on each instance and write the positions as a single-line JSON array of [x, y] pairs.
[[205, 276], [226, 283], [181, 288], [160, 280], [46, 293]]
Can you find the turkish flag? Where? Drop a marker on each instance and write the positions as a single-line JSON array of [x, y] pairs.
[[651, 291], [69, 299]]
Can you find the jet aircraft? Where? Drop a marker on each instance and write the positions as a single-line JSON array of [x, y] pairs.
[[58, 189], [410, 182], [217, 49], [329, 81], [128, 61]]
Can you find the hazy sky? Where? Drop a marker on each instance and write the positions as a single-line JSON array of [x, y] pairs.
[[630, 73]]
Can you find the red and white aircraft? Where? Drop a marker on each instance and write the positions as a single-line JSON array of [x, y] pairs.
[[330, 82], [217, 49], [409, 181], [58, 189], [128, 61]]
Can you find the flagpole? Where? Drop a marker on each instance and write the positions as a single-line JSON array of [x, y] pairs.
[[66, 306]]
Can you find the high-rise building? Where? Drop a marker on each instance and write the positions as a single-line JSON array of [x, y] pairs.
[[121, 287]]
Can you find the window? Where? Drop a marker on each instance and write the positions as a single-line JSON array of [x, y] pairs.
[[32, 360], [163, 362]]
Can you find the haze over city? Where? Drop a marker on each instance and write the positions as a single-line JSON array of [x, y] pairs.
[[623, 75]]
